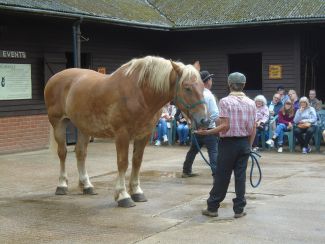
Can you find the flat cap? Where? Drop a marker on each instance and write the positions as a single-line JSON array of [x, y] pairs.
[[236, 77]]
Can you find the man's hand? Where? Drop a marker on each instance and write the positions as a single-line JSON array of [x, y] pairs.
[[223, 126], [202, 132]]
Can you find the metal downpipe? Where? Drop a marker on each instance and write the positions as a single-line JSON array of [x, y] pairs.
[[76, 44]]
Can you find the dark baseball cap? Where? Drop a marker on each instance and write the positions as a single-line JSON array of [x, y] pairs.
[[205, 75], [280, 88]]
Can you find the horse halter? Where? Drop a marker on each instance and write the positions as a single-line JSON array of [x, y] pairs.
[[187, 106], [181, 100]]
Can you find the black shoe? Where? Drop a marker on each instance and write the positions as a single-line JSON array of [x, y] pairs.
[[186, 175], [209, 213], [239, 215]]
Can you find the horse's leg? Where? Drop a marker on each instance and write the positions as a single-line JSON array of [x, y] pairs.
[[122, 150], [81, 154], [135, 189], [59, 130]]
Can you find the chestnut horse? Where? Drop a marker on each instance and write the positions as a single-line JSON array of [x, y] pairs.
[[124, 105]]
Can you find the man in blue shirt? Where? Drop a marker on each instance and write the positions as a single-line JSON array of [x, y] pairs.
[[210, 141], [275, 105]]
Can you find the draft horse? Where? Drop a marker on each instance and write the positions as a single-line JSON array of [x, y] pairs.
[[124, 105]]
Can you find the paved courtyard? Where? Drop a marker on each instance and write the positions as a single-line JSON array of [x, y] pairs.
[[288, 207]]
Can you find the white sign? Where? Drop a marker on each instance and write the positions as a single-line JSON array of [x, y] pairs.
[[15, 81]]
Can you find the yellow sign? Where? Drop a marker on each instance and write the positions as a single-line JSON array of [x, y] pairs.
[[101, 70], [275, 71]]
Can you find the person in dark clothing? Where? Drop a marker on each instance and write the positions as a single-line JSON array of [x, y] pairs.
[[313, 101], [210, 141]]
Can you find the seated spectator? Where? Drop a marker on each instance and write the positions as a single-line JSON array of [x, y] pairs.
[[281, 91], [305, 119], [167, 115], [182, 128], [262, 117], [294, 99], [321, 124], [275, 105], [323, 133], [285, 123], [313, 101]]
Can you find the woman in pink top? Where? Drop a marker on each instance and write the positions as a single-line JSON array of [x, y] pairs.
[[285, 121], [262, 117]]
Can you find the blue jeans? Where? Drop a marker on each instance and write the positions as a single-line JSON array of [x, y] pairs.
[[211, 142], [182, 131], [279, 133], [162, 129]]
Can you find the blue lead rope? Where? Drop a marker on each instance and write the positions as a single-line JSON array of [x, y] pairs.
[[252, 155], [255, 161], [213, 167]]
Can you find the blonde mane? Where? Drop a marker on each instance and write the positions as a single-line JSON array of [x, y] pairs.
[[155, 72]]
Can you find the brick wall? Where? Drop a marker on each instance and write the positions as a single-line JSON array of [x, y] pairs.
[[23, 133]]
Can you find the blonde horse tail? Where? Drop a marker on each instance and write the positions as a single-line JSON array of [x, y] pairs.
[[53, 144]]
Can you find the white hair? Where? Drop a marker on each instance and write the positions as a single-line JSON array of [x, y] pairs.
[[260, 98], [304, 99]]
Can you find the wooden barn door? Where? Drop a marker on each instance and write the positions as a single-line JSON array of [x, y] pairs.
[[53, 63]]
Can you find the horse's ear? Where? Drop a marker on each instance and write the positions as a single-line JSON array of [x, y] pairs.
[[197, 65], [178, 69]]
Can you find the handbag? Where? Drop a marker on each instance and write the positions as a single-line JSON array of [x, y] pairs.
[[305, 125]]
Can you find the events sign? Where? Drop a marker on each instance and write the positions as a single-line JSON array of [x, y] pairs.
[[15, 81], [12, 54]]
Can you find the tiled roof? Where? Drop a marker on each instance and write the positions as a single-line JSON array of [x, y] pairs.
[[132, 12], [192, 13], [171, 14]]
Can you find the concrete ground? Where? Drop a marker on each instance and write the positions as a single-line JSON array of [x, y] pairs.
[[288, 207]]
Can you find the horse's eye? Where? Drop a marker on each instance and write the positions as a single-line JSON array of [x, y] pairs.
[[188, 90]]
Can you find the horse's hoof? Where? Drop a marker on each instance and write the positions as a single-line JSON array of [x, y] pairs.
[[60, 190], [139, 197], [126, 203], [89, 191]]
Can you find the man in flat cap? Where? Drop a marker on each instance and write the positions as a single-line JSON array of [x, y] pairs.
[[210, 141], [237, 132]]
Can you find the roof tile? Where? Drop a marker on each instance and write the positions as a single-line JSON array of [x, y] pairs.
[[180, 13]]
